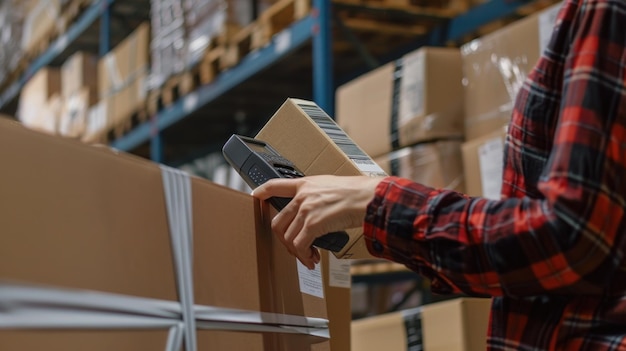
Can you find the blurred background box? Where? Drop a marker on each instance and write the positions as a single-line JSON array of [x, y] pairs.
[[417, 98]]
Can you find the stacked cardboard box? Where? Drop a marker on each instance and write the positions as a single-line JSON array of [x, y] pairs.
[[416, 99], [40, 101], [121, 82], [455, 325], [79, 85], [12, 15], [112, 233], [495, 68]]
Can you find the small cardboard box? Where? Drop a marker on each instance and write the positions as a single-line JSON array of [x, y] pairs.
[[417, 98], [437, 164], [483, 164], [454, 325], [80, 71], [495, 68], [75, 216]]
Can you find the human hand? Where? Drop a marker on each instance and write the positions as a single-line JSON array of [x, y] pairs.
[[319, 205]]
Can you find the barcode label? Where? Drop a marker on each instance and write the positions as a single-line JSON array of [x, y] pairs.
[[363, 162]]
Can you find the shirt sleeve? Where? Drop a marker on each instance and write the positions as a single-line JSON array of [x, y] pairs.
[[569, 240]]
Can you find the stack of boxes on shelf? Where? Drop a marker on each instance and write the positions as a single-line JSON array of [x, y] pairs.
[[40, 24], [79, 86], [495, 68], [408, 114], [12, 15]]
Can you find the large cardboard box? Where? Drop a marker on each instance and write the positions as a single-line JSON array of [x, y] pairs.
[[308, 137], [80, 71], [495, 68], [417, 98], [455, 325], [437, 164], [483, 161], [75, 216], [73, 119]]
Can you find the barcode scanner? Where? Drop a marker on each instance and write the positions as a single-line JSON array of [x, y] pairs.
[[257, 162]]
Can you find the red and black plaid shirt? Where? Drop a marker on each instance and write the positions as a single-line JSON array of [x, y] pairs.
[[552, 251]]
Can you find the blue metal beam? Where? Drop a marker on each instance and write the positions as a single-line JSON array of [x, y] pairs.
[[57, 47], [281, 45], [105, 30], [323, 87]]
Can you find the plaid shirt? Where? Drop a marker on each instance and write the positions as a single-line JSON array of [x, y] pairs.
[[552, 251]]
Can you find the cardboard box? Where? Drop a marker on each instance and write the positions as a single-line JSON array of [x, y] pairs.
[[40, 100], [40, 22], [129, 100], [97, 122], [125, 63], [483, 162], [455, 325], [80, 71], [437, 164], [417, 98], [81, 217], [495, 68], [308, 137]]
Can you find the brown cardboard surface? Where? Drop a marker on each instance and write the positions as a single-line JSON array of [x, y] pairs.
[[495, 66], [364, 105], [471, 162], [84, 217], [455, 325], [78, 72], [437, 164]]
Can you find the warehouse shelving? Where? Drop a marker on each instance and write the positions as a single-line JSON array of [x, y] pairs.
[[312, 32], [300, 61], [103, 24]]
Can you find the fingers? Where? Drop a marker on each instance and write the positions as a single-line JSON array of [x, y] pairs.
[[277, 188]]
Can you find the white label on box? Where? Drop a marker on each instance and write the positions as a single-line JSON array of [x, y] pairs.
[[547, 20], [311, 280], [369, 167], [412, 86], [283, 41], [339, 272], [490, 155]]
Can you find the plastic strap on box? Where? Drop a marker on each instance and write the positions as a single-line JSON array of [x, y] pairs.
[[41, 307], [177, 190]]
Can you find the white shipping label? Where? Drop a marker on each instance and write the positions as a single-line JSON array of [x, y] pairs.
[[369, 168], [490, 156], [311, 280], [412, 83], [339, 272], [547, 20]]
